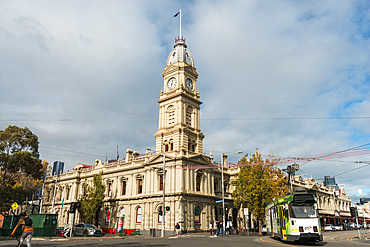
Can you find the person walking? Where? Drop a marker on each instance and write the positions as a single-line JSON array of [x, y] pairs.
[[218, 228], [177, 227], [210, 228], [27, 229]]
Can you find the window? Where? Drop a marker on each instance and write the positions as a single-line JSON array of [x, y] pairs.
[[124, 183], [138, 215], [109, 190], [68, 190], [140, 186], [171, 146], [160, 214], [171, 115], [166, 148], [198, 179], [216, 185], [197, 215], [189, 111], [193, 148], [161, 182], [60, 194]]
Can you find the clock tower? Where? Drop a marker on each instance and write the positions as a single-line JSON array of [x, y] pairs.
[[179, 105]]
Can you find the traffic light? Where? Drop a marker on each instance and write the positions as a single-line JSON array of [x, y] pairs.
[[353, 211], [160, 212], [167, 208], [220, 211], [72, 208]]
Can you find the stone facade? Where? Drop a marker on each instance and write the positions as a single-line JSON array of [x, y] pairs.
[[134, 190], [333, 204]]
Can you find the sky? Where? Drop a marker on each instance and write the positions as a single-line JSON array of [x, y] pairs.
[[290, 78]]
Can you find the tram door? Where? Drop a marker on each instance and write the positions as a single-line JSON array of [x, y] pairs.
[[282, 222]]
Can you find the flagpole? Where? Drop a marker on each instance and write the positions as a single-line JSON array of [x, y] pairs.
[[180, 25]]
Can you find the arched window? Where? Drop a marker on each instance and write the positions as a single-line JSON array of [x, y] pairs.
[[160, 214], [189, 112], [197, 215], [107, 215], [138, 215], [121, 220], [171, 115]]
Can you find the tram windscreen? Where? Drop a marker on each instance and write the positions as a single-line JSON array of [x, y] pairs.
[[303, 211]]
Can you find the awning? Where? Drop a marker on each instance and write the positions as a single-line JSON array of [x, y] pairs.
[[326, 212], [345, 214]]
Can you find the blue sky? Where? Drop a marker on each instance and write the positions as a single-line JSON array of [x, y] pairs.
[[275, 75]]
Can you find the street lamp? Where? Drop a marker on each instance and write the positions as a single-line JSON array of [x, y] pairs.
[[223, 156]]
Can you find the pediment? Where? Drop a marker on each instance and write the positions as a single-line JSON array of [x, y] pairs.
[[158, 158], [200, 159], [170, 69]]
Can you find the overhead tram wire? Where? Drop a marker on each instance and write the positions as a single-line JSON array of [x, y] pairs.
[[339, 154], [354, 169], [202, 119], [70, 151]]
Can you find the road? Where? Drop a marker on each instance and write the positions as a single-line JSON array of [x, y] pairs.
[[337, 239]]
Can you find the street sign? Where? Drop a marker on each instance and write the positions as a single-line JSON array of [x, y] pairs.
[[245, 211], [15, 206]]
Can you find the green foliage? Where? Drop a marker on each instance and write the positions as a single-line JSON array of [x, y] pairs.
[[257, 183], [19, 166], [92, 198]]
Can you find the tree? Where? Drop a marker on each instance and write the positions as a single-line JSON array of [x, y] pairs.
[[92, 198], [257, 183], [19, 165]]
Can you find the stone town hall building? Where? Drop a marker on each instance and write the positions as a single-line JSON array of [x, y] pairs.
[[134, 185]]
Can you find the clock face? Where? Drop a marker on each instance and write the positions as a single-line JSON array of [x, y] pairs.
[[171, 84], [189, 84]]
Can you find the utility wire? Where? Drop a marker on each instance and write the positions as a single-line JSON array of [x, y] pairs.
[[156, 119], [96, 155]]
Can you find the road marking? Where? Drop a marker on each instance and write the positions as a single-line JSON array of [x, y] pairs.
[[350, 238], [263, 240]]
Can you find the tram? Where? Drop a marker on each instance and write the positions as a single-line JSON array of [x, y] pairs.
[[294, 217]]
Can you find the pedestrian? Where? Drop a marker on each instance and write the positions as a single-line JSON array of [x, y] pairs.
[[230, 227], [27, 229], [218, 228], [210, 228], [177, 227]]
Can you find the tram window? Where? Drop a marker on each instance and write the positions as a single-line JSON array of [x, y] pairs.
[[303, 211]]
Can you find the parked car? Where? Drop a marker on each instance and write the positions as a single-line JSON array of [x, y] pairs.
[[60, 231], [329, 227], [87, 230], [264, 229], [338, 228], [352, 226]]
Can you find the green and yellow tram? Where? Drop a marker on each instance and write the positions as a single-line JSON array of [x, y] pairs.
[[294, 218]]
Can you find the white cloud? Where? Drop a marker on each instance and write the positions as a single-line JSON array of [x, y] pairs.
[[97, 62]]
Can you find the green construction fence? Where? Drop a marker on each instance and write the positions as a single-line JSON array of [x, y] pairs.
[[44, 225]]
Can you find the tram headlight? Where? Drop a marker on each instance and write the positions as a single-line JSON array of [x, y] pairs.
[[301, 229], [315, 228]]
